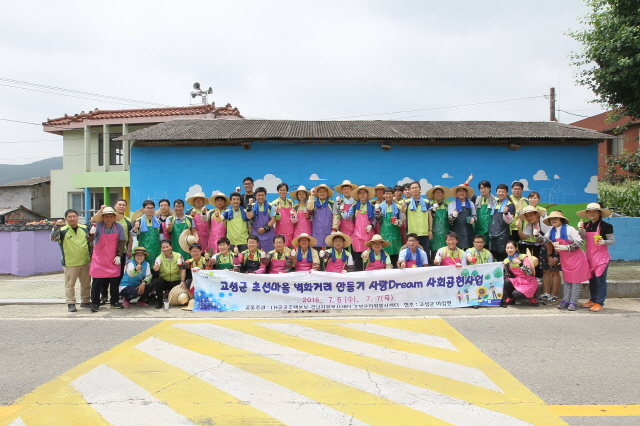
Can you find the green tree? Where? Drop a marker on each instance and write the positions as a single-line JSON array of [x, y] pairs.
[[609, 61]]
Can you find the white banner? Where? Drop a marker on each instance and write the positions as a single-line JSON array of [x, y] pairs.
[[432, 287]]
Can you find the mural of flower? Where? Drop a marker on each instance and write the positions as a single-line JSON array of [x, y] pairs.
[[481, 292]]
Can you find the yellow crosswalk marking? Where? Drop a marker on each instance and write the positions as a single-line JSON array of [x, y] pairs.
[[203, 401]]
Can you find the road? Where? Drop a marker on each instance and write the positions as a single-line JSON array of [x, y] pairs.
[[491, 366]]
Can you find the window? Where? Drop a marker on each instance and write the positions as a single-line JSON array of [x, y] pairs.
[[76, 201], [115, 150], [616, 145], [97, 199]]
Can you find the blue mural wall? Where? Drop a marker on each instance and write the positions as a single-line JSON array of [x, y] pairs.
[[561, 174]]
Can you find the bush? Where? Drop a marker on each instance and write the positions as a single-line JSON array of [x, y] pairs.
[[623, 198]]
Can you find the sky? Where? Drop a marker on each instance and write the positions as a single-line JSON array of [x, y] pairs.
[[295, 59]]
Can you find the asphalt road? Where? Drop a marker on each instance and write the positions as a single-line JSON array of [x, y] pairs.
[[564, 358]]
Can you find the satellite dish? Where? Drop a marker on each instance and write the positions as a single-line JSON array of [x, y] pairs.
[[210, 91], [196, 86]]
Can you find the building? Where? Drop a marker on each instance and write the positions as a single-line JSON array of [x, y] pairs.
[[32, 194], [18, 214], [548, 157], [95, 164], [618, 143]]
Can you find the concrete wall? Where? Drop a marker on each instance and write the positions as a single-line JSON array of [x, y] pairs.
[[627, 233], [41, 201], [548, 170], [24, 253], [11, 196]]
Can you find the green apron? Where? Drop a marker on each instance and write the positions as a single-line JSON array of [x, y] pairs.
[[390, 233], [484, 219], [150, 241], [220, 260], [440, 227], [175, 236]]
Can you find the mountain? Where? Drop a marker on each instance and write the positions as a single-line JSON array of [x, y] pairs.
[[15, 172]]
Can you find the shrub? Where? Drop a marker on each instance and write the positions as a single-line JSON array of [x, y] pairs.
[[624, 197]]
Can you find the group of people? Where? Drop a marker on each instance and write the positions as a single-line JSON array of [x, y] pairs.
[[342, 229]]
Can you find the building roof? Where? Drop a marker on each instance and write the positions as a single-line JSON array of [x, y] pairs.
[[28, 182], [7, 210], [233, 132], [599, 122], [143, 115]]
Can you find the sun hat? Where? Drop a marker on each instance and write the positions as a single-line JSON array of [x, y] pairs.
[[197, 195], [185, 240], [370, 191], [533, 261], [107, 210], [470, 191], [379, 186], [446, 192], [329, 240], [594, 206], [179, 296], [189, 307], [375, 238], [322, 185], [531, 209], [172, 212], [294, 194], [140, 250], [345, 182], [218, 194], [555, 214], [312, 241]]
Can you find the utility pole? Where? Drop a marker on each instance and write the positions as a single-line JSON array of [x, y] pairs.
[[552, 104]]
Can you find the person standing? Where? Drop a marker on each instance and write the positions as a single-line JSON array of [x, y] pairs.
[[264, 219], [419, 219], [283, 208], [322, 209], [462, 215], [237, 222], [148, 230], [198, 212], [217, 230], [73, 240], [391, 218], [300, 216], [520, 203], [178, 223], [438, 195], [363, 215], [484, 203], [108, 248], [502, 214], [248, 197], [599, 236], [341, 209]]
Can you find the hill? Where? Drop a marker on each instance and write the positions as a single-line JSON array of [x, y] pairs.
[[15, 172]]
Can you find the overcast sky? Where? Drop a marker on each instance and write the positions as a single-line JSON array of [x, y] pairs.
[[307, 60]]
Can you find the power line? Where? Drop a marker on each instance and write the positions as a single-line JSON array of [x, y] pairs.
[[577, 115], [16, 84]]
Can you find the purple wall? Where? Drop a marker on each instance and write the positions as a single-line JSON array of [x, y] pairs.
[[28, 252]]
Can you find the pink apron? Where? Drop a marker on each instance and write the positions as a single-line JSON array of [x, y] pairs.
[[360, 236], [597, 255], [412, 263], [450, 261], [336, 266], [284, 226], [102, 258], [217, 230], [203, 229], [525, 284], [346, 226], [377, 264], [277, 265], [303, 226], [575, 266], [303, 265]]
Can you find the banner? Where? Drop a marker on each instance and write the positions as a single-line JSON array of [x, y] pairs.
[[431, 287]]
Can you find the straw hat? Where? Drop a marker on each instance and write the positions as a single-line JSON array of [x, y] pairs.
[[137, 215], [379, 186], [531, 209], [377, 238], [553, 214], [139, 250], [189, 307], [322, 185], [312, 241], [107, 210], [218, 194], [185, 240], [294, 194], [329, 240], [179, 296], [446, 192], [470, 191], [345, 183], [197, 195], [594, 206], [370, 192], [172, 212]]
